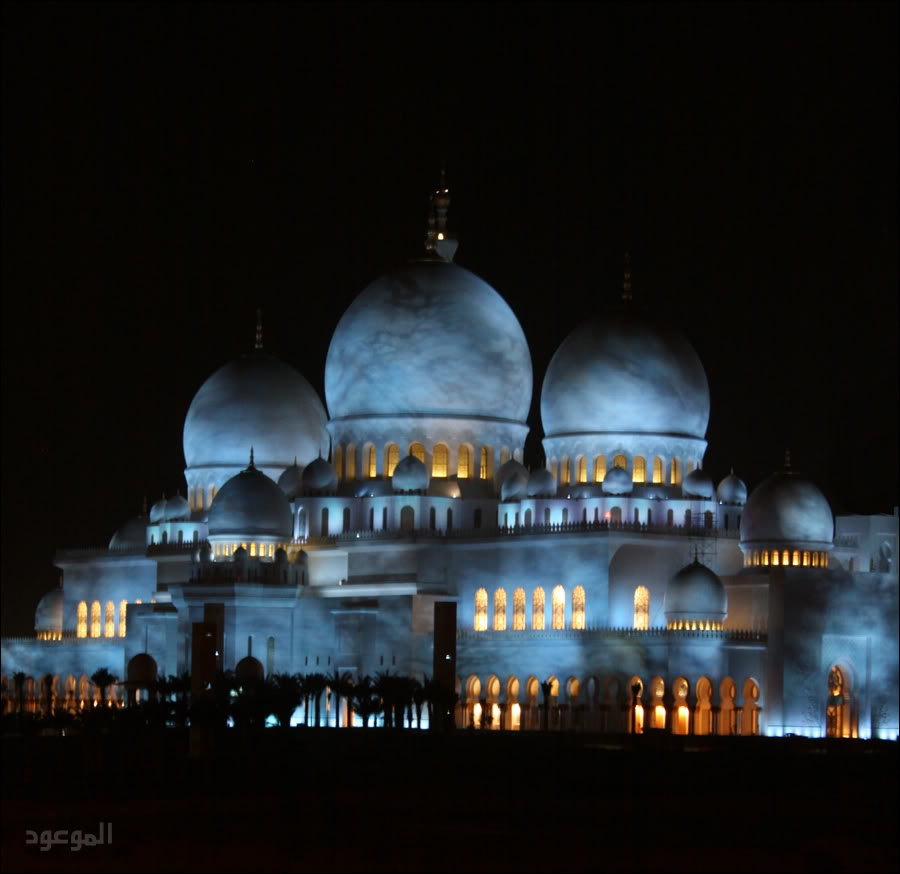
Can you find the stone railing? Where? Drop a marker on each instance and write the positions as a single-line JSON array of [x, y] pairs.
[[618, 633]]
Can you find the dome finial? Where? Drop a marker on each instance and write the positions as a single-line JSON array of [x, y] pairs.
[[258, 344], [438, 239], [787, 459], [251, 459], [626, 284]]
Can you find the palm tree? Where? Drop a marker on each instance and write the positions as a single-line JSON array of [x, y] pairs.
[[103, 679], [546, 688], [315, 684], [340, 684], [47, 683], [386, 687], [288, 694], [19, 683], [418, 695], [366, 700]]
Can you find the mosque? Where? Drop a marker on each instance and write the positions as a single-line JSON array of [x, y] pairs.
[[638, 592]]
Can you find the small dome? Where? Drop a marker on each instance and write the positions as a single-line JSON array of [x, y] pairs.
[[291, 481], [514, 487], [732, 490], [787, 508], [319, 476], [158, 511], [617, 482], [249, 505], [142, 670], [541, 483], [239, 556], [507, 469], [132, 535], [281, 555], [249, 670], [49, 613], [698, 485], [410, 475], [695, 592], [176, 508]]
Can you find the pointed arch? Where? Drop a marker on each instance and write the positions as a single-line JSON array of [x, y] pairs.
[[558, 601], [481, 610], [658, 472], [641, 608], [537, 609], [463, 462], [519, 609], [500, 609], [81, 620], [123, 609], [109, 624], [599, 468], [391, 457], [578, 608], [440, 461], [639, 469], [417, 450], [95, 619]]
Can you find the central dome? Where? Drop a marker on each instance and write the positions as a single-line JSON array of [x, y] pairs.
[[431, 338], [626, 373]]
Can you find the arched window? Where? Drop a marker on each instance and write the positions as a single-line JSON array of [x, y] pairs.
[[708, 519], [639, 472], [81, 626], [657, 470], [565, 515], [109, 625], [180, 536], [796, 558], [519, 610], [582, 469], [449, 519], [554, 469], [324, 521], [391, 457], [462, 463], [687, 518], [123, 609], [670, 518], [824, 561], [578, 608], [439, 461], [564, 471], [417, 450], [432, 518], [483, 465], [641, 608], [619, 461], [599, 468], [765, 557], [199, 503], [775, 558], [546, 515], [756, 558], [500, 610], [559, 607], [407, 518], [372, 463], [481, 610], [476, 518], [537, 609], [384, 519], [675, 478], [649, 516], [528, 518], [339, 462], [785, 558], [371, 518], [165, 537], [805, 558], [637, 516], [191, 498], [95, 619], [350, 462], [615, 515], [346, 519]]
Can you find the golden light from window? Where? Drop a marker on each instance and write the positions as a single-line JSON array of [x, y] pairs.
[[638, 719], [123, 609], [339, 462], [519, 610], [805, 558], [253, 549], [690, 466], [639, 473], [440, 461], [675, 478], [582, 469], [564, 471], [81, 626], [537, 609], [372, 466], [483, 467], [599, 468], [756, 558], [775, 558], [393, 456], [641, 608], [476, 713], [558, 599], [462, 463], [657, 470], [619, 461], [796, 558], [481, 610], [660, 716], [554, 470], [109, 625], [271, 550], [578, 608], [682, 720], [417, 450], [516, 717], [500, 610], [825, 559], [440, 235], [350, 462], [95, 619], [199, 505]]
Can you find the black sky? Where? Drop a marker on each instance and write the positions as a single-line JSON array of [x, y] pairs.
[[168, 168]]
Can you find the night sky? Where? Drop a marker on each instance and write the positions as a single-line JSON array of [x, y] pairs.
[[167, 169]]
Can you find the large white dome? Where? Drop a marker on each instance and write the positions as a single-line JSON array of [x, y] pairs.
[[787, 509], [430, 338], [625, 373], [260, 402]]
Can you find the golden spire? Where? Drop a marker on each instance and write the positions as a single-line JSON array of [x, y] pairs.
[[438, 239]]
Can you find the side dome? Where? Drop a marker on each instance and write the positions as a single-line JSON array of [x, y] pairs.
[[698, 485], [49, 613], [695, 593], [732, 490], [158, 511], [787, 509], [176, 508], [291, 481], [507, 469], [250, 505], [319, 476], [131, 535], [617, 481], [541, 483], [255, 401], [514, 486], [429, 338], [410, 475], [625, 372]]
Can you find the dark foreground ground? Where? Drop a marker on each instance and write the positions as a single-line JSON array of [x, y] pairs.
[[320, 799]]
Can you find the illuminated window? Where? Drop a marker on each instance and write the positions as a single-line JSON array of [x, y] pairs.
[[81, 627], [372, 465], [109, 625], [675, 477], [537, 609], [391, 457], [824, 561], [578, 608], [350, 462], [775, 557], [339, 462], [481, 610], [619, 461], [559, 607], [191, 497], [95, 619], [271, 550], [462, 464], [519, 610], [439, 462], [805, 558], [199, 504], [657, 470], [253, 549], [599, 468], [500, 610], [785, 558], [796, 558], [417, 450], [581, 472], [756, 558], [565, 471], [123, 608], [482, 468], [641, 608], [639, 473], [765, 557]]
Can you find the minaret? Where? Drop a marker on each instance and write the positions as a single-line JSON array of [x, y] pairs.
[[438, 239], [258, 344], [626, 284]]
